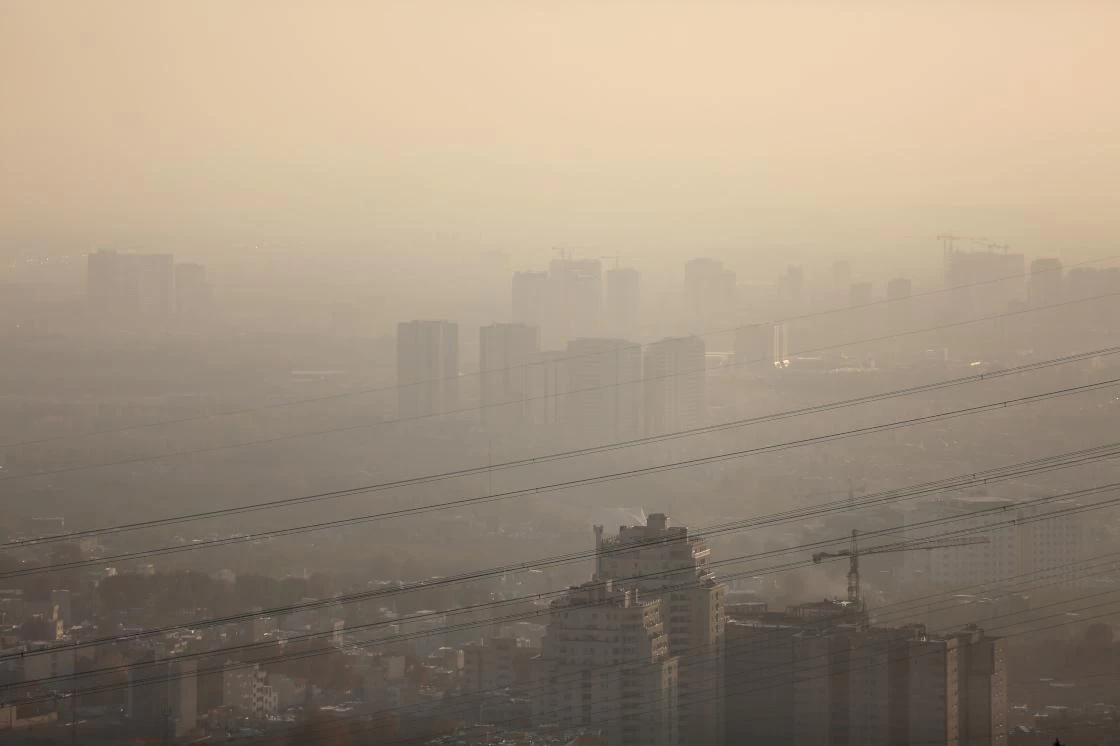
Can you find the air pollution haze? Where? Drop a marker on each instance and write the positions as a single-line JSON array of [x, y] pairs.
[[573, 373]]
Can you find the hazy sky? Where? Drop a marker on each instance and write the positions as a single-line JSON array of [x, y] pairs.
[[648, 127]]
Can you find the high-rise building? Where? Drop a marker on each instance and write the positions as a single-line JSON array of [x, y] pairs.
[[1102, 285], [530, 298], [606, 663], [1046, 284], [489, 666], [1046, 333], [859, 294], [899, 289], [791, 285], [604, 378], [427, 368], [1028, 545], [622, 300], [899, 309], [985, 282], [575, 300], [504, 354], [130, 288], [162, 695], [861, 320], [803, 679], [547, 387], [192, 290], [246, 691], [664, 561], [1089, 282], [760, 346], [709, 287], [675, 385]]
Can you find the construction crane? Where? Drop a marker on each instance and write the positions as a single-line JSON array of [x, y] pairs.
[[853, 553]]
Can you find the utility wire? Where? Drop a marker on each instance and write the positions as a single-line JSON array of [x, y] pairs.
[[830, 542], [563, 455], [378, 389], [751, 646], [583, 481], [574, 392], [972, 479]]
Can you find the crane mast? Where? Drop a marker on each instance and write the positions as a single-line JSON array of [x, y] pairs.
[[853, 554]]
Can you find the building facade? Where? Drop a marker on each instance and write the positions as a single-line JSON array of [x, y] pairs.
[[605, 662], [604, 382], [675, 388], [505, 351], [427, 368], [663, 561]]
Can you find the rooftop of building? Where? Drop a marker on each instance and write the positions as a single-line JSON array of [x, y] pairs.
[[597, 592]]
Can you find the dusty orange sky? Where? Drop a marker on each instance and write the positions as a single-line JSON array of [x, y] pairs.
[[446, 126]]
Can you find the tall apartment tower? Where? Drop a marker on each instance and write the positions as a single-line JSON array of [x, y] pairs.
[[709, 287], [427, 368], [547, 387], [1046, 284], [130, 287], [192, 290], [899, 288], [489, 666], [604, 380], [899, 310], [859, 294], [797, 679], [623, 300], [575, 300], [985, 282], [663, 561], [530, 292], [504, 354], [675, 385], [605, 662], [163, 696], [760, 346]]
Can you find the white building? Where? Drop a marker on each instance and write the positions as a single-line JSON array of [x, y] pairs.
[[246, 691], [1018, 542], [605, 663], [663, 561]]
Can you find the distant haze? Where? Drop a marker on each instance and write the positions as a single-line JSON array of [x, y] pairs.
[[659, 130]]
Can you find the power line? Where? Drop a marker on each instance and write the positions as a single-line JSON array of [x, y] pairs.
[[634, 382], [734, 560], [378, 389], [990, 476], [563, 455], [583, 481], [751, 645]]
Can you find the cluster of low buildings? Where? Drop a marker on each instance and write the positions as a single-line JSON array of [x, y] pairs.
[[652, 650]]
